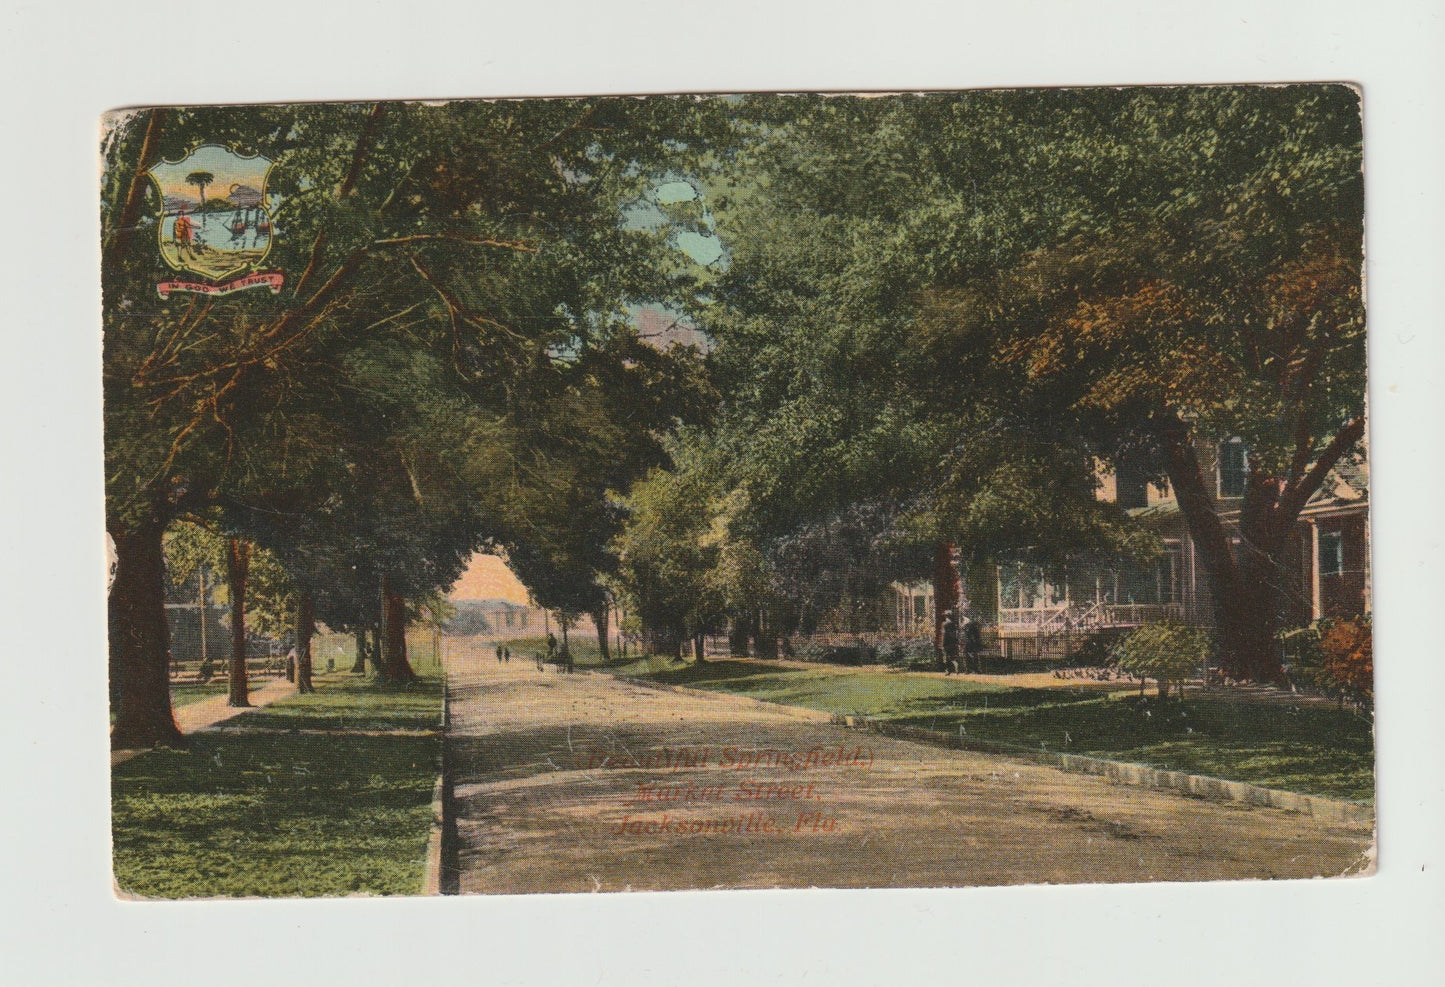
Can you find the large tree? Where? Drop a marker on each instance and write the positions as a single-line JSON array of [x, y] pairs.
[[959, 304], [1210, 290], [486, 236]]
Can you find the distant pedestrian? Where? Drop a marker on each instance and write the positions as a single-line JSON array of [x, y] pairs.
[[500, 659], [972, 645], [950, 643], [506, 654]]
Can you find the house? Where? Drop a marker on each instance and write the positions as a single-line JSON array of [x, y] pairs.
[[1049, 610]]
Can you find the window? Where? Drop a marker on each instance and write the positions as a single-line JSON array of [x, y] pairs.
[[1332, 553], [1233, 464], [1170, 569]]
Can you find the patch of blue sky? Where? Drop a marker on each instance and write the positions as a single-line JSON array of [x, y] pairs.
[[703, 248]]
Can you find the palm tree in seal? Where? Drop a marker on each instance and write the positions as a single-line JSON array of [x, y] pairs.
[[200, 179]]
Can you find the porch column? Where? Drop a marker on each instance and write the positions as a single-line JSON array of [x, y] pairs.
[[1316, 603]]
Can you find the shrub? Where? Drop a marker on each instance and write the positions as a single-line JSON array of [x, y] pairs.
[[1299, 649], [906, 652], [1168, 652], [1097, 651], [856, 653], [1349, 662], [1331, 656]]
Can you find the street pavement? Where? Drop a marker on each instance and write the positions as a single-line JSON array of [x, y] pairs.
[[584, 782]]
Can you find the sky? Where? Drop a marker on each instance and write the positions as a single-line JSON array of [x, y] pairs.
[[488, 578], [228, 168]]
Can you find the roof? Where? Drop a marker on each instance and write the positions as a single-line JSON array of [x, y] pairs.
[[1162, 509]]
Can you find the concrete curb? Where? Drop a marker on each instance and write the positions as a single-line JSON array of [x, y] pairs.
[[432, 881], [1119, 772], [441, 846], [1126, 773]]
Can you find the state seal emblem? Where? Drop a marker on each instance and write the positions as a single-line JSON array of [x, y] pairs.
[[215, 220]]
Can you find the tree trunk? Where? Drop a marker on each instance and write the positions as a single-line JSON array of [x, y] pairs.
[[358, 667], [699, 648], [135, 197], [1247, 594], [393, 666], [238, 562], [738, 637], [140, 641], [305, 628], [945, 590], [766, 636], [374, 653], [599, 618]]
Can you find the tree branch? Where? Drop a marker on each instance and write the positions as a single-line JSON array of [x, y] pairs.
[[348, 183], [1293, 500], [520, 245], [135, 194]]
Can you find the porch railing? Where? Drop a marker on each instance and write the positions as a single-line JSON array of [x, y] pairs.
[[1060, 617]]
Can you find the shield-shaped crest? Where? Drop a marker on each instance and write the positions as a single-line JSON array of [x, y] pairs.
[[214, 218]]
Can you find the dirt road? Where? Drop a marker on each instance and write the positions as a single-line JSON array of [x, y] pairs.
[[586, 783]]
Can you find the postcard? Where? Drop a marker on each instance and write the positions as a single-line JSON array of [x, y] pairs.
[[915, 490]]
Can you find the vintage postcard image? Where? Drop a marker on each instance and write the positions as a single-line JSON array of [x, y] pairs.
[[934, 489]]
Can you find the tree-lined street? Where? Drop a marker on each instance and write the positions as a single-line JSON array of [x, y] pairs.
[[759, 369]]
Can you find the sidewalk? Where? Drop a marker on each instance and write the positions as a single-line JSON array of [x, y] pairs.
[[208, 713]]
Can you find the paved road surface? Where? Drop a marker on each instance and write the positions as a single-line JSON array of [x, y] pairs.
[[584, 783]]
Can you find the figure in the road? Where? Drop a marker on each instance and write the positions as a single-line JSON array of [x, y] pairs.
[[972, 645], [500, 659], [950, 643], [506, 654]]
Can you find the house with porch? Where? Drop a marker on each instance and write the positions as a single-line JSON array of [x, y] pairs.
[[1042, 610]]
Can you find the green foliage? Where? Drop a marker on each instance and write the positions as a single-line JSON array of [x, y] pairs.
[[453, 332], [270, 592], [667, 556], [1167, 652], [907, 653], [856, 653], [1300, 650]]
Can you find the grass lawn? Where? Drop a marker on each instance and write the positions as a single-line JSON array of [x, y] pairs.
[[1314, 749], [352, 702], [244, 812], [187, 693]]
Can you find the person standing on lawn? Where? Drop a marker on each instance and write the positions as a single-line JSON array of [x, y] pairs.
[[950, 643], [972, 645]]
